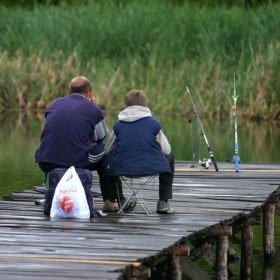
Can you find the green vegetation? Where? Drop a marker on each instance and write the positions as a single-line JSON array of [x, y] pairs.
[[150, 45]]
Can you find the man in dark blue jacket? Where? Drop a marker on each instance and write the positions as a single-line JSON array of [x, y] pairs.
[[73, 133], [137, 147]]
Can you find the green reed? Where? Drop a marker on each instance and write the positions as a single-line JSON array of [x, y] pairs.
[[148, 45]]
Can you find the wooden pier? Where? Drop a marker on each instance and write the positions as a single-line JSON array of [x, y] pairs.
[[210, 206]]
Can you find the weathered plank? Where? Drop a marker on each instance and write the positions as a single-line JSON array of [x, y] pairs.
[[34, 246]]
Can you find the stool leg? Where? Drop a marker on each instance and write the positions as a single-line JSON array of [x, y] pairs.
[[144, 205], [127, 201], [136, 193]]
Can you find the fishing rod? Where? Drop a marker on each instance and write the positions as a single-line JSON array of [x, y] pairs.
[[235, 157], [203, 132], [194, 146]]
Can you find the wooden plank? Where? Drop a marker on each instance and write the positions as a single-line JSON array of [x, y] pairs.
[[194, 271], [103, 248]]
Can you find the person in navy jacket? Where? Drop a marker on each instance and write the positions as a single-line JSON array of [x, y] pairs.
[[138, 147], [73, 132]]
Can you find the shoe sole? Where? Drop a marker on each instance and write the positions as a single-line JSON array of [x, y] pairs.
[[165, 211], [110, 209], [130, 206]]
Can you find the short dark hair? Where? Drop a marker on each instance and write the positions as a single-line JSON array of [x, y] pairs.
[[80, 85], [136, 97]]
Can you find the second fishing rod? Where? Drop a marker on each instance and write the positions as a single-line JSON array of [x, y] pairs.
[[203, 132]]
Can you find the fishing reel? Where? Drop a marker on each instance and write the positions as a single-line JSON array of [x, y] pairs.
[[233, 159], [206, 162]]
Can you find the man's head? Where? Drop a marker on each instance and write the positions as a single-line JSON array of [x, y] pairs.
[[80, 85], [136, 97]]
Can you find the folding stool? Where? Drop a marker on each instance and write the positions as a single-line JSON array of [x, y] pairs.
[[130, 183]]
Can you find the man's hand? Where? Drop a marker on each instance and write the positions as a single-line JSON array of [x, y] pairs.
[[92, 99]]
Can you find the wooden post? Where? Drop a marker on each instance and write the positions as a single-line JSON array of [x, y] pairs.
[[268, 231], [268, 271], [221, 257], [133, 272], [174, 271], [246, 252], [221, 234]]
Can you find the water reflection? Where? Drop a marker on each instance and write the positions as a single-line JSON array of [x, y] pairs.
[[258, 142], [268, 271], [21, 130], [19, 137]]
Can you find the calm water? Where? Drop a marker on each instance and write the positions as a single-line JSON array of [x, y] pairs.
[[258, 142]]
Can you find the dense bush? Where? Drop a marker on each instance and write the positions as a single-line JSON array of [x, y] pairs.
[[145, 44], [226, 3]]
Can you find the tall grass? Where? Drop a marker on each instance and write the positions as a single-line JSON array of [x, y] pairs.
[[144, 44]]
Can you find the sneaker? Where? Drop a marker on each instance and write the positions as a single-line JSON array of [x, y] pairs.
[[110, 206], [164, 208], [129, 206]]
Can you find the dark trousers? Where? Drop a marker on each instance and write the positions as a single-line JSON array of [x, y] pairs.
[[98, 166], [166, 180], [115, 188], [165, 183]]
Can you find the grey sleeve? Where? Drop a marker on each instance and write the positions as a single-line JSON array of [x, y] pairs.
[[163, 142], [111, 144], [100, 131]]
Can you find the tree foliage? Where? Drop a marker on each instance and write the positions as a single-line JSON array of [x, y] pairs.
[[211, 3]]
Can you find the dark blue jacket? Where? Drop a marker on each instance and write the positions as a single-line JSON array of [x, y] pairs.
[[72, 123], [137, 153]]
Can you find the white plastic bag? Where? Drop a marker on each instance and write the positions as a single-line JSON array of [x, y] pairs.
[[69, 200]]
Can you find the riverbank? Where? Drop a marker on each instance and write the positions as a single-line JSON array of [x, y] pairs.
[[175, 47]]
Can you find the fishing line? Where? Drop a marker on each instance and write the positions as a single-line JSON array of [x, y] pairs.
[[236, 156], [192, 142], [212, 158]]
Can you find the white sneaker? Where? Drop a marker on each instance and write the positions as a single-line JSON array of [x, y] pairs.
[[164, 208]]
